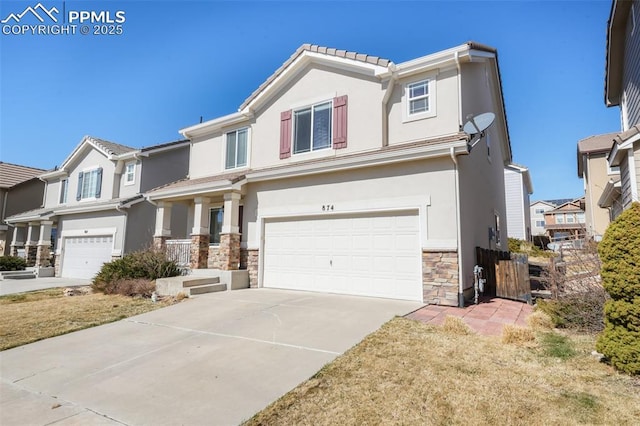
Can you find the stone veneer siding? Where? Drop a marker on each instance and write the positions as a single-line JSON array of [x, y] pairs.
[[199, 251], [160, 243], [440, 277], [213, 261], [252, 267], [56, 266], [30, 254], [229, 252], [43, 256]]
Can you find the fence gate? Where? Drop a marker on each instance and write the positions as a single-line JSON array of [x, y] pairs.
[[512, 278], [489, 259]]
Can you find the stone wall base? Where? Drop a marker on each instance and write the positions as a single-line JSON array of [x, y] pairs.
[[229, 252], [160, 243], [30, 254], [440, 277], [213, 259], [252, 267], [43, 256], [199, 251]]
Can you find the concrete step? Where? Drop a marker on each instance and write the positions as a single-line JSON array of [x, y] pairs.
[[17, 275], [194, 282], [203, 289]]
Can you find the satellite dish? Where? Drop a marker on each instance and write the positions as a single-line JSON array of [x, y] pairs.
[[475, 126]]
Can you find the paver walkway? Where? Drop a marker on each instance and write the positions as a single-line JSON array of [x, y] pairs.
[[487, 318]]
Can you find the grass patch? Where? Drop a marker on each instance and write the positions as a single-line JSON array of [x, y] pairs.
[[33, 316], [557, 345], [413, 373]]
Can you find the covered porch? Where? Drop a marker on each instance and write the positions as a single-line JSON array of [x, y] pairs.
[[34, 239], [213, 245]]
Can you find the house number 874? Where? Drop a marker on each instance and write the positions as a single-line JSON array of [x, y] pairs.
[[327, 207]]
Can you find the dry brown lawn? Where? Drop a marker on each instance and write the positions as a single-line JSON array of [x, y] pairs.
[[411, 373], [28, 317]]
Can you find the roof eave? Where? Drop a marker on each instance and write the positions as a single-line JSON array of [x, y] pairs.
[[615, 51], [211, 126]]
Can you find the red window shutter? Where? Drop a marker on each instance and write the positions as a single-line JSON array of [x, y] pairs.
[[340, 122], [285, 134]]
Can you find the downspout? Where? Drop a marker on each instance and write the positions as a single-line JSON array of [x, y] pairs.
[[452, 153], [457, 185], [124, 231], [385, 100]]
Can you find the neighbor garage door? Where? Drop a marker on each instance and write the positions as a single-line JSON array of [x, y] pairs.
[[83, 256], [371, 255]]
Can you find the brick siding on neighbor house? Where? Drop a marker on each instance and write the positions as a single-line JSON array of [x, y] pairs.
[[440, 277]]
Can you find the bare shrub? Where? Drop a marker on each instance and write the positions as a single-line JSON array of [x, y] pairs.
[[577, 294], [539, 321], [130, 287]]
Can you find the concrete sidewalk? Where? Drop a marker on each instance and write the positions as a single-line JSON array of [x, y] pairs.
[[20, 286], [216, 359]]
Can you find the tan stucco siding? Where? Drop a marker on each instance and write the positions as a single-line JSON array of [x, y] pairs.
[[90, 224], [122, 189], [443, 123], [424, 186], [207, 156], [89, 161], [52, 197], [596, 178]]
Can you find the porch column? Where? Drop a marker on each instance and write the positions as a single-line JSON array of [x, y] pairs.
[[200, 233], [163, 224], [31, 245], [43, 251], [17, 241], [229, 251]]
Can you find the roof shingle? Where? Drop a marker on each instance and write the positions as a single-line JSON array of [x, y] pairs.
[[13, 174]]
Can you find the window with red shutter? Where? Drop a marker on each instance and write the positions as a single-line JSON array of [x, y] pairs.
[[340, 122], [285, 134]]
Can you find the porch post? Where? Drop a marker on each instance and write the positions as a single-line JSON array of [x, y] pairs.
[[43, 251], [17, 242], [31, 245], [229, 252], [200, 233], [163, 224]]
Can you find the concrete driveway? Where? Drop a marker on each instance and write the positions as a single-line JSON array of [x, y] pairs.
[[31, 284], [215, 360]]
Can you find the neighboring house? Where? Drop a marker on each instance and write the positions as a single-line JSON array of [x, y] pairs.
[[622, 88], [347, 173], [567, 221], [518, 187], [20, 190], [94, 210], [537, 211], [594, 168]]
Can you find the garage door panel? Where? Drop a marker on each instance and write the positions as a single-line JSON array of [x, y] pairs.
[[374, 255], [84, 256]]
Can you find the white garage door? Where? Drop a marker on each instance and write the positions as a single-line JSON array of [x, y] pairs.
[[83, 256], [370, 255]]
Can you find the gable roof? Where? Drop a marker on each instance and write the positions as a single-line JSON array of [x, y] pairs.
[[595, 144], [13, 174], [314, 48], [107, 148], [614, 59]]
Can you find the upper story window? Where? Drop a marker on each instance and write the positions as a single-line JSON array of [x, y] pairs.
[[130, 173], [580, 217], [540, 223], [89, 184], [64, 189], [420, 98], [237, 149], [560, 218], [570, 218], [312, 128], [539, 211]]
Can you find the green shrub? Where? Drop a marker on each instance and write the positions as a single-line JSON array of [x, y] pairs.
[[12, 263], [147, 265], [522, 246], [620, 255]]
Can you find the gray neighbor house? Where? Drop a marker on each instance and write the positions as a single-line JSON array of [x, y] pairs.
[[94, 209]]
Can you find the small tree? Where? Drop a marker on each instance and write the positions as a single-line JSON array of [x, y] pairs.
[[620, 255]]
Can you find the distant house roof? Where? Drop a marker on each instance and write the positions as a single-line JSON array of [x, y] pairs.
[[596, 144], [614, 60], [13, 174], [163, 145]]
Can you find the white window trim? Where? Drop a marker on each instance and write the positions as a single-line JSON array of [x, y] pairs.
[[432, 112], [293, 128], [128, 182], [66, 198], [224, 157], [84, 173]]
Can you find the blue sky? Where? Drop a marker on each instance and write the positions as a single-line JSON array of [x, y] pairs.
[[179, 60]]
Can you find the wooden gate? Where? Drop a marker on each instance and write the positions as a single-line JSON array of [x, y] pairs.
[[489, 259], [512, 278]]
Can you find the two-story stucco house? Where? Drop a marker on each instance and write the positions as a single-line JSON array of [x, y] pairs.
[[518, 188], [94, 209], [20, 191], [348, 173], [597, 175], [622, 88]]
